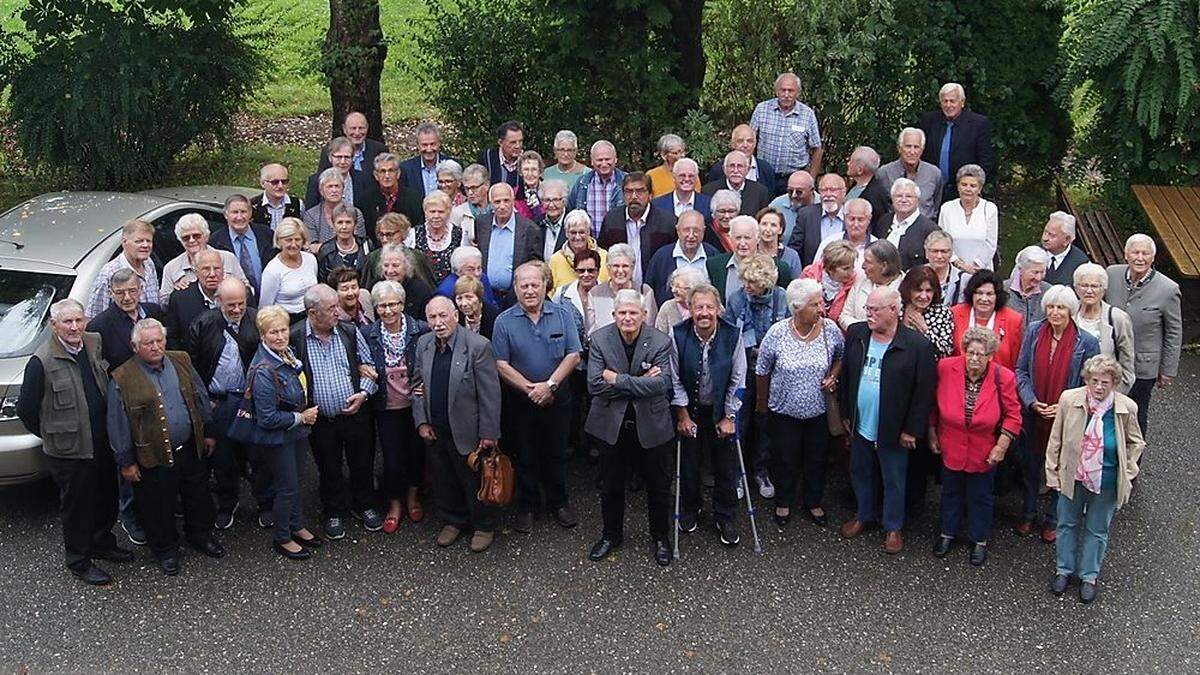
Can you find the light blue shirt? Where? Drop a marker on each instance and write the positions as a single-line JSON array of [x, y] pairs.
[[229, 376], [535, 349], [358, 156], [784, 204], [868, 390], [429, 177], [832, 226], [500, 253]]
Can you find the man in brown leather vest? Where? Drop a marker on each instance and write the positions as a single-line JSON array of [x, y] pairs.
[[157, 412]]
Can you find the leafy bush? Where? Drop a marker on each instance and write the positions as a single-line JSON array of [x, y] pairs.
[[112, 90]]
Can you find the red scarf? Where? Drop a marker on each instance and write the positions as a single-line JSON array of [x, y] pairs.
[[1050, 375]]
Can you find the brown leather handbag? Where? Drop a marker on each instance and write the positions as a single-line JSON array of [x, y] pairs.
[[495, 476]]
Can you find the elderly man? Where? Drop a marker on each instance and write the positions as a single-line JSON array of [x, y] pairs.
[[905, 226], [275, 202], [640, 225], [537, 346], [457, 410], [909, 164], [222, 342], [503, 161], [363, 150], [507, 240], [420, 170], [160, 428], [788, 135], [553, 194], [1152, 300], [115, 324], [816, 223], [629, 378], [683, 197], [137, 243], [192, 231], [337, 362], [339, 153], [251, 244], [744, 140], [688, 250], [857, 231], [467, 261], [200, 295], [956, 137], [69, 417], [861, 168], [723, 269], [798, 194], [754, 195], [390, 195], [1058, 238], [884, 361], [599, 189], [708, 374]]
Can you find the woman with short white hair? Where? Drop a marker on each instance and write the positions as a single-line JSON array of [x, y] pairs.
[[318, 218], [620, 275], [671, 148], [674, 310], [192, 231], [1027, 284], [567, 166], [725, 206], [1111, 326]]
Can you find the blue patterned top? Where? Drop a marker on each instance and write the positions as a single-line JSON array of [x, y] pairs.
[[797, 367]]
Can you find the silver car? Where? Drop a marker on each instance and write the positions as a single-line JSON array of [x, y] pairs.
[[52, 247]]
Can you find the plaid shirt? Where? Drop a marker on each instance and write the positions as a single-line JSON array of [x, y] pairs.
[[598, 198], [330, 368], [784, 139], [99, 299]]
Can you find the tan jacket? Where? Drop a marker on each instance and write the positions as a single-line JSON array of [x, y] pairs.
[[1062, 452]]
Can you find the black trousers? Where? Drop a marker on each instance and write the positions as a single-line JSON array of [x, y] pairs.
[[233, 459], [87, 495], [720, 453], [455, 487], [800, 454], [539, 442], [344, 439], [403, 452], [1140, 392], [161, 488], [654, 465]]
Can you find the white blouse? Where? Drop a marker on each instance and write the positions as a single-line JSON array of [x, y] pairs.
[[855, 309], [975, 240], [285, 286]]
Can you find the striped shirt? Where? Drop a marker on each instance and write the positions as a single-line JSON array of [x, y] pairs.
[[599, 196]]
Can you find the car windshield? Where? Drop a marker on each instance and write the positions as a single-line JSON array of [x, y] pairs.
[[25, 299]]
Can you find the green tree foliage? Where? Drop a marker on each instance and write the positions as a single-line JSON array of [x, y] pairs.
[[112, 90]]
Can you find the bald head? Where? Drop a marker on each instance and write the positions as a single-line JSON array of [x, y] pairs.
[[231, 298], [743, 139], [883, 311], [355, 127]]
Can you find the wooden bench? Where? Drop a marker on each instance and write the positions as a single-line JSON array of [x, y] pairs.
[[1094, 230], [1174, 212]]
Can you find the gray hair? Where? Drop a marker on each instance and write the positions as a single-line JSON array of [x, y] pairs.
[[577, 217], [669, 141], [477, 171], [1061, 295], [343, 209], [734, 154], [1139, 238], [331, 175], [386, 287], [627, 296], [317, 294], [905, 184], [781, 77], [190, 221], [688, 278], [602, 144], [725, 198], [953, 87], [568, 136], [1032, 255], [451, 167], [867, 155], [62, 306], [885, 253], [890, 295], [338, 142], [1090, 270], [906, 131], [135, 337], [859, 202], [1102, 363], [744, 221], [1066, 220], [800, 292], [385, 158], [939, 235], [685, 163], [974, 171], [621, 250], [123, 276], [397, 250], [983, 336], [426, 128], [462, 254], [552, 185], [706, 289]]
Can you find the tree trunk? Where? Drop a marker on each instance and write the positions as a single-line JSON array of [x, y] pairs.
[[685, 41], [353, 62]]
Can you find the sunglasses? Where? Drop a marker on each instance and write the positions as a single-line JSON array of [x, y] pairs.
[[277, 181]]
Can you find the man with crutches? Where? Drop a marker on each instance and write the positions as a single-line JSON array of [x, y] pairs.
[[710, 370]]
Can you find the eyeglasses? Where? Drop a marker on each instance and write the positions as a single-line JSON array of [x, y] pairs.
[[190, 236], [277, 181], [876, 309], [472, 188], [386, 172], [446, 181], [552, 200]]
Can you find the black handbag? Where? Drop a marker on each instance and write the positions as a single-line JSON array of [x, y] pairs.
[[244, 427]]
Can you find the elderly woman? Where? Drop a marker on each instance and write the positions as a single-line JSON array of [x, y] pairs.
[[837, 273], [1051, 361], [620, 275], [975, 421], [467, 261], [475, 183], [529, 202], [436, 240], [578, 292], [449, 180], [939, 251], [393, 339], [973, 221], [985, 307], [1091, 461], [394, 265], [567, 167], [770, 228], [319, 217], [881, 268], [192, 231], [1026, 285], [345, 250], [923, 309], [578, 225], [280, 394], [354, 302], [725, 205], [671, 149], [291, 272], [473, 312], [683, 280], [1110, 325], [798, 363], [395, 228]]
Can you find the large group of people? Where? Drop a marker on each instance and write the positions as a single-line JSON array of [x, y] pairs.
[[657, 321]]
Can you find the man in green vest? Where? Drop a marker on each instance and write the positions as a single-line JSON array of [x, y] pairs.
[[157, 412]]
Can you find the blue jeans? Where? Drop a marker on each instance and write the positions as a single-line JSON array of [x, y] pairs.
[[286, 461], [1094, 512], [870, 466], [971, 492], [1033, 476]]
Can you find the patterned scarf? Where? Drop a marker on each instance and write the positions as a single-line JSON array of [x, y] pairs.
[[394, 345], [1091, 448]]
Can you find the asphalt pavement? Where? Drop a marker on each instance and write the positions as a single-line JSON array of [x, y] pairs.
[[534, 603]]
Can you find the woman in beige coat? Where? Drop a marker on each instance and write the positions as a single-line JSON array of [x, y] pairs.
[[1091, 460]]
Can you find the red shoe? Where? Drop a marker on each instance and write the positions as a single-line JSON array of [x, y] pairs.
[[391, 524], [1024, 527], [1049, 534]]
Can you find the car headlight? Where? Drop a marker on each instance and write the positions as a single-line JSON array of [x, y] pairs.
[[8, 408]]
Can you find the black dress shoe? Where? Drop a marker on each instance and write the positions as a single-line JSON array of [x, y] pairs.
[[302, 554], [1059, 585], [820, 521], [1087, 592], [782, 521], [115, 554], [978, 555], [209, 547], [942, 546], [169, 566], [566, 517], [662, 553], [92, 575], [602, 548], [311, 542]]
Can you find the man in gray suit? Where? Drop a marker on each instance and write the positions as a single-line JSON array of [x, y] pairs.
[[1153, 303], [629, 378], [457, 409], [928, 177]]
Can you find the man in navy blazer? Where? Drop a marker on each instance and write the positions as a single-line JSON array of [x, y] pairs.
[[355, 128], [656, 228], [689, 249], [341, 152], [1058, 238], [744, 140], [754, 196], [818, 222], [239, 229], [503, 161], [970, 138], [420, 171], [684, 197]]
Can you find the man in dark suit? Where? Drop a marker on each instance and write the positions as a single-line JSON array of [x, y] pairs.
[[275, 203], [502, 161], [222, 342], [356, 185], [818, 222], [744, 140], [861, 168], [253, 245], [420, 171], [955, 137], [553, 225], [506, 239], [184, 306], [754, 195], [684, 197], [688, 250], [355, 128], [906, 226], [1058, 238], [115, 324], [646, 228], [387, 194]]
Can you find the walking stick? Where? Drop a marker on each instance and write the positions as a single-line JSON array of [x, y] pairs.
[[749, 503], [678, 490]]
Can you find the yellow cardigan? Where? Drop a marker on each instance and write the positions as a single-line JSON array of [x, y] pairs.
[[563, 261]]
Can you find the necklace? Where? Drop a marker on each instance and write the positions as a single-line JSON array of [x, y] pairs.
[[806, 337]]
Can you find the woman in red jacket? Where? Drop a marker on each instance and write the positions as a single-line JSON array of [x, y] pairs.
[[977, 417], [985, 306]]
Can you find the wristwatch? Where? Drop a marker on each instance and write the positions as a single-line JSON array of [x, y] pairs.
[[552, 384]]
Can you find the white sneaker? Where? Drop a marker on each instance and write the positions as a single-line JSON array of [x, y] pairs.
[[765, 489]]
